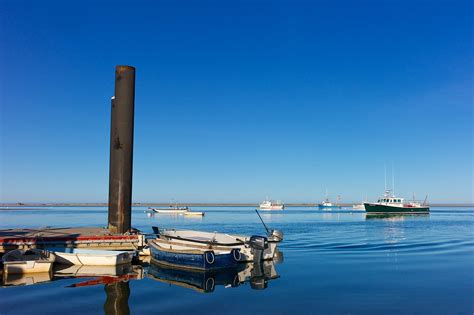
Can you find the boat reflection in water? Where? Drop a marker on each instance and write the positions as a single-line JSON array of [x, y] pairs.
[[396, 217], [257, 274], [26, 279]]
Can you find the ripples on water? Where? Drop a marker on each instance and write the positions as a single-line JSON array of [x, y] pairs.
[[334, 262]]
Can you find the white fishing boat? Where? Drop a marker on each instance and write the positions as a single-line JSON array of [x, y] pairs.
[[27, 261], [271, 205], [221, 241], [358, 206], [170, 210], [91, 257]]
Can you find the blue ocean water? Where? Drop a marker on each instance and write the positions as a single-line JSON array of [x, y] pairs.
[[333, 262]]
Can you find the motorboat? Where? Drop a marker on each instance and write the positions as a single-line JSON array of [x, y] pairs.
[[167, 253], [271, 205], [28, 261], [252, 248], [170, 210], [91, 257]]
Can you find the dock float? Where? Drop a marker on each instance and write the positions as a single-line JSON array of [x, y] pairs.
[[87, 237]]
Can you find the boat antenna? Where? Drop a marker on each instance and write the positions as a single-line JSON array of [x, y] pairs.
[[393, 182], [266, 228], [385, 175]]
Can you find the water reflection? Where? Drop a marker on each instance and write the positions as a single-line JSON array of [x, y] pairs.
[[257, 274], [26, 279], [396, 217], [116, 302]]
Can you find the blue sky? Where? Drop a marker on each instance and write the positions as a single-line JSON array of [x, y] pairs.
[[239, 100]]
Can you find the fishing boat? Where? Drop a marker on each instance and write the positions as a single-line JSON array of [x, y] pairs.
[[252, 248], [271, 205], [166, 253], [91, 257], [27, 261], [326, 204], [389, 204]]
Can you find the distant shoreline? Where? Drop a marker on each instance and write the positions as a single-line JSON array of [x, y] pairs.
[[197, 204]]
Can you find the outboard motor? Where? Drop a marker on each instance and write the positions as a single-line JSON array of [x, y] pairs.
[[276, 235], [258, 244]]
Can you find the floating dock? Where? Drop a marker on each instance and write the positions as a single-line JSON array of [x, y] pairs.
[[93, 238]]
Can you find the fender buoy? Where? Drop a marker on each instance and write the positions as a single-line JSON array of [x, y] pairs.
[[209, 257], [236, 254]]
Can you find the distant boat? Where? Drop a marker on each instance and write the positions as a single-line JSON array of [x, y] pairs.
[[28, 261], [164, 252], [389, 204], [172, 209], [326, 204], [92, 257], [271, 205], [358, 206]]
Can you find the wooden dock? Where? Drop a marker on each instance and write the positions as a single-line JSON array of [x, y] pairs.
[[87, 237]]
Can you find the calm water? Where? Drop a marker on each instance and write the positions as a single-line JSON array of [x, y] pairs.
[[334, 262]]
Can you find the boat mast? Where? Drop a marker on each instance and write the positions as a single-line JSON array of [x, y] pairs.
[[393, 183]]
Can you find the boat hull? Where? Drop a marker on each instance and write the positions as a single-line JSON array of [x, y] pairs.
[[223, 242], [194, 259], [94, 258], [386, 209]]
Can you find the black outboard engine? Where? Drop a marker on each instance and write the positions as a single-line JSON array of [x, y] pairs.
[[258, 244]]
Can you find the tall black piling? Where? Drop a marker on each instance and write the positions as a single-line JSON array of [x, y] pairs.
[[121, 150]]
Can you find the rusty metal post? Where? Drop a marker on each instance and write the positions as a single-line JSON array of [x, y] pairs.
[[121, 150]]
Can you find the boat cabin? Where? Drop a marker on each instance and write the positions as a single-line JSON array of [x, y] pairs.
[[391, 200]]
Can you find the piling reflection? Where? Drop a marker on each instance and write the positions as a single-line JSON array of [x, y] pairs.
[[116, 302], [256, 274]]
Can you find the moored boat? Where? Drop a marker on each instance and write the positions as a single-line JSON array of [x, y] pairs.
[[91, 257], [252, 248], [170, 210], [27, 261], [389, 204], [271, 205], [326, 204], [166, 253]]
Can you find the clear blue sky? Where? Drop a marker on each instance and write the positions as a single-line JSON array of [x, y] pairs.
[[238, 100]]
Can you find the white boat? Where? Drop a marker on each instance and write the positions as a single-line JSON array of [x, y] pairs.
[[27, 261], [170, 210], [91, 257], [358, 206], [271, 205], [222, 241]]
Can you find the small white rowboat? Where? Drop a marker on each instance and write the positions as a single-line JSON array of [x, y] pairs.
[[90, 257], [27, 261]]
